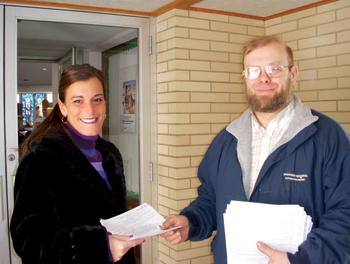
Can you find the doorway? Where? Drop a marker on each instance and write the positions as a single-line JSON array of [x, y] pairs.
[[128, 27]]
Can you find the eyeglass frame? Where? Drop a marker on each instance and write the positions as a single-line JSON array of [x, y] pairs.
[[264, 68]]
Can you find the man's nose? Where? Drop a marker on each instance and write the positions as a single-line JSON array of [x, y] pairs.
[[264, 77]]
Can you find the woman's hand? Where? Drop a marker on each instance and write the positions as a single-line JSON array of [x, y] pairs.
[[119, 245]]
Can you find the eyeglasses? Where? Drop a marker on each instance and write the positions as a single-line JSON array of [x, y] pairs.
[[273, 70]]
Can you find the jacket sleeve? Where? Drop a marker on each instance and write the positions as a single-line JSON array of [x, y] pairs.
[[38, 236], [329, 240]]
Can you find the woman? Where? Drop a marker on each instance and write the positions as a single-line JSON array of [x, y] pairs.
[[68, 179], [128, 102]]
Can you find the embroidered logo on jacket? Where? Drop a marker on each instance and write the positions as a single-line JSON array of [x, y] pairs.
[[294, 177]]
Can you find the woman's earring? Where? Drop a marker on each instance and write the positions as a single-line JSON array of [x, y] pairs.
[[64, 120]]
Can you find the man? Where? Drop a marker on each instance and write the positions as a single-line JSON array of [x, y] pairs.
[[278, 152]]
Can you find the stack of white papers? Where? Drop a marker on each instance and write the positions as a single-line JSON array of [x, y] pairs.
[[282, 227], [140, 222]]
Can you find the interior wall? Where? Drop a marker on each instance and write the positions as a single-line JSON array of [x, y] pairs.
[[200, 90]]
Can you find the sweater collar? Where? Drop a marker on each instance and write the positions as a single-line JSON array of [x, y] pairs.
[[82, 141]]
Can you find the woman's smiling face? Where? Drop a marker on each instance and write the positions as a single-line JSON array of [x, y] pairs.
[[85, 106]]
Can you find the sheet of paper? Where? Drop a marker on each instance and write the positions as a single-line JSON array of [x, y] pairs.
[[282, 227], [141, 222]]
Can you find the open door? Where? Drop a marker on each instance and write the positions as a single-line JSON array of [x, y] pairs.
[[141, 25]]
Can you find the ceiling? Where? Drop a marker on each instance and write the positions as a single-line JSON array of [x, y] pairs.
[[44, 42]]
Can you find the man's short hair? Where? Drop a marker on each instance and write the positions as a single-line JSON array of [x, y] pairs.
[[264, 41]]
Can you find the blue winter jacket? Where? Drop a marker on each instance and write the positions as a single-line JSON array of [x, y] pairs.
[[314, 148]]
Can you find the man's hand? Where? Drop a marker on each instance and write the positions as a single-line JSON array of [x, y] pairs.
[[275, 256], [178, 235]]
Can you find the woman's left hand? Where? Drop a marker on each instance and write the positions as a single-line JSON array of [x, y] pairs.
[[119, 245]]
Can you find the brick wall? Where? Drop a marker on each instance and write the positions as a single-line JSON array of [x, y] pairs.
[[200, 90]]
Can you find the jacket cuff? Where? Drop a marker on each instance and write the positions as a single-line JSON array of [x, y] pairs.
[[110, 257], [194, 223], [300, 257]]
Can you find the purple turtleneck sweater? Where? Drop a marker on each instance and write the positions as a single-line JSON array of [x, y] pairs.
[[87, 145]]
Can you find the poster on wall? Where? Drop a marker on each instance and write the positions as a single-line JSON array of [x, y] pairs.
[[127, 119]]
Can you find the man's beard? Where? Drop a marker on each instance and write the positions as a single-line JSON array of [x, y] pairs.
[[267, 103]]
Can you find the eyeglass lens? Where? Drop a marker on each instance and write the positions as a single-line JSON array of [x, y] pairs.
[[273, 70]]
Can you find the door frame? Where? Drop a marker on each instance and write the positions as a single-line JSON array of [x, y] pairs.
[[146, 76]]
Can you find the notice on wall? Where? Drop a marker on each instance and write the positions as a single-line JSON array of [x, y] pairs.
[[127, 119]]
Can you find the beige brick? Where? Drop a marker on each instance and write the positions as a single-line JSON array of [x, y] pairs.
[[317, 41], [301, 14], [162, 87], [188, 22], [209, 97], [173, 118], [292, 44], [162, 190], [183, 173], [343, 36], [318, 63], [201, 139], [330, 50], [228, 87], [236, 58], [189, 129], [195, 182], [172, 54], [216, 128], [228, 108], [255, 31], [307, 96], [191, 253], [163, 210], [162, 67], [208, 16], [209, 76], [304, 54], [163, 108], [164, 150], [299, 34], [188, 44], [340, 117], [170, 203], [161, 26], [346, 127], [227, 27], [237, 98], [344, 82], [163, 249], [343, 59], [172, 33], [343, 13], [307, 75], [332, 6], [173, 76], [174, 183], [173, 140], [228, 47], [210, 118], [246, 21], [282, 28], [322, 106], [241, 39], [236, 78], [173, 162], [226, 67], [162, 170], [343, 94], [342, 106], [187, 151], [189, 65], [178, 247], [208, 55], [321, 84], [272, 22], [189, 107], [202, 243], [183, 194], [342, 71], [333, 27], [163, 46], [208, 35], [163, 129], [165, 16], [235, 116], [189, 86], [202, 260], [317, 20]]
